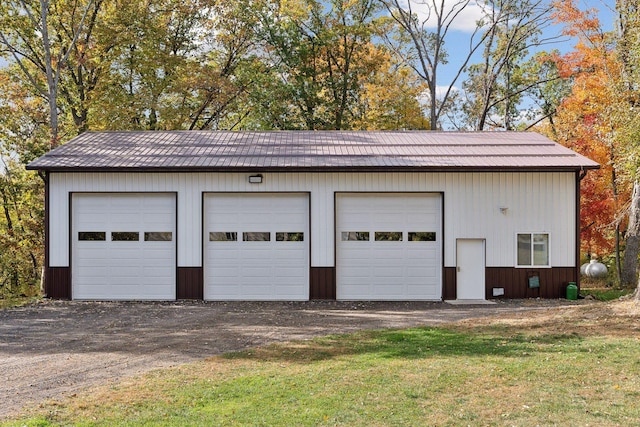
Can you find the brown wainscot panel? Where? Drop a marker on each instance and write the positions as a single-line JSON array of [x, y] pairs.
[[449, 290], [57, 282], [515, 281], [322, 283], [190, 283]]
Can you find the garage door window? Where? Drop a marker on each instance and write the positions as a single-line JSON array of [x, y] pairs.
[[533, 249], [355, 235], [92, 235], [256, 236], [388, 236], [125, 236], [158, 236], [422, 236], [289, 237], [223, 236]]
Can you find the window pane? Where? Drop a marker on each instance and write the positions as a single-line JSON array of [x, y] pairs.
[[289, 237], [355, 235], [125, 236], [422, 236], [256, 236], [223, 236], [524, 249], [158, 236], [92, 235], [382, 236], [540, 249]]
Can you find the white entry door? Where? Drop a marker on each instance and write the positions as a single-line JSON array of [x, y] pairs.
[[124, 246], [256, 246], [470, 269]]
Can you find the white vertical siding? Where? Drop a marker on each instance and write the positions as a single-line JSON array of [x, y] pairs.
[[536, 202], [59, 220]]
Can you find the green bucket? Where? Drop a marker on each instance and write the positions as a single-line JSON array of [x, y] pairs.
[[572, 291]]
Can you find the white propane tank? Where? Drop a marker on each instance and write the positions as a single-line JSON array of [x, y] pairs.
[[583, 269], [595, 269]]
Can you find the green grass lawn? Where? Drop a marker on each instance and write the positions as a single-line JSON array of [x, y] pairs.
[[605, 294], [511, 372]]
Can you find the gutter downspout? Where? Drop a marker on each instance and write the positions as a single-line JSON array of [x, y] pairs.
[[580, 175]]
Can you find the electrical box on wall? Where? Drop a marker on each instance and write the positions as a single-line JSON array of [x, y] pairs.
[[498, 292]]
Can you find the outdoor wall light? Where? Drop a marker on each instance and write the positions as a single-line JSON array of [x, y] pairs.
[[255, 179], [503, 210]]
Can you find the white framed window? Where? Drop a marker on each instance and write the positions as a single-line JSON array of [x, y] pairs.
[[532, 250]]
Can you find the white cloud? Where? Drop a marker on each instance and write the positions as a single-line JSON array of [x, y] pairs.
[[441, 91], [465, 21]]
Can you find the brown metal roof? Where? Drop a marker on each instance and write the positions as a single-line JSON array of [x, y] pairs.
[[309, 151]]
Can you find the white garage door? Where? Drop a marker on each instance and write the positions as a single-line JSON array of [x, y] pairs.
[[389, 247], [256, 246], [124, 246]]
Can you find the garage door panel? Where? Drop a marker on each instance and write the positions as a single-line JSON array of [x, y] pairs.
[[124, 269], [100, 271], [420, 272], [354, 292], [256, 272], [132, 271], [422, 250], [255, 291], [283, 292], [155, 218], [391, 271], [392, 267], [224, 272], [158, 254], [257, 269], [125, 253], [226, 252], [284, 263], [155, 203], [390, 289], [288, 273], [156, 271], [387, 254], [126, 219]]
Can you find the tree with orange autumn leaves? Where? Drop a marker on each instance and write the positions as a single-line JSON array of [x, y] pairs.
[[593, 120]]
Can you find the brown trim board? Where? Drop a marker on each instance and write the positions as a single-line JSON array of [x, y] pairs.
[[322, 283], [190, 282]]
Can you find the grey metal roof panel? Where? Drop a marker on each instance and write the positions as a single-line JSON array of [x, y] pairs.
[[318, 150]]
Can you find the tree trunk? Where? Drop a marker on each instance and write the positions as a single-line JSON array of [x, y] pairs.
[[617, 250], [630, 261]]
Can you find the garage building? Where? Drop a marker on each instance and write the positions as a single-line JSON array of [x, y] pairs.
[[299, 215]]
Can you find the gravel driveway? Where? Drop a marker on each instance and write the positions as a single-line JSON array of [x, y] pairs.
[[57, 348]]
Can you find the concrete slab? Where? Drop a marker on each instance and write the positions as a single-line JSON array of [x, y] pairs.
[[470, 302]]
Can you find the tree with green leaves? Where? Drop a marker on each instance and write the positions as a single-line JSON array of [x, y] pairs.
[[628, 51], [322, 65], [22, 137], [40, 36], [318, 52]]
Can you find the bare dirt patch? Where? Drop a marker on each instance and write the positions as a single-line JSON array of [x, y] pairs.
[[55, 349], [614, 319]]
